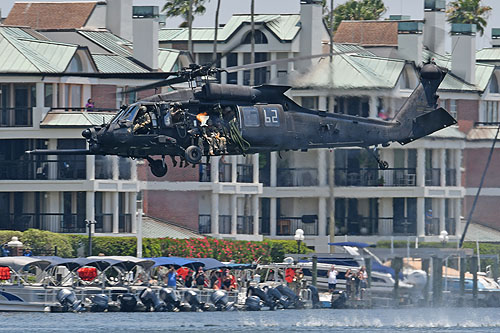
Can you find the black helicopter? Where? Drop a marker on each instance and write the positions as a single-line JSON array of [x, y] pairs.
[[221, 119]]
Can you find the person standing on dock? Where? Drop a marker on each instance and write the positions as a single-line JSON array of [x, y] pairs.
[[200, 278], [171, 278], [349, 281], [332, 279], [362, 277]]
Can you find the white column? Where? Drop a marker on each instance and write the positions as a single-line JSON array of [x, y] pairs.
[[116, 212], [420, 217], [240, 73], [458, 166], [223, 75], [90, 208], [274, 68], [214, 214], [52, 172], [373, 107], [90, 163], [420, 167], [133, 170], [322, 103], [115, 169], [442, 166], [442, 214], [322, 216], [291, 65], [255, 163], [133, 211], [331, 104], [458, 212], [234, 214], [272, 217], [214, 169], [234, 169], [321, 167], [255, 208], [273, 169]]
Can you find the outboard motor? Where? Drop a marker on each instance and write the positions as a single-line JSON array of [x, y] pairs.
[[68, 300], [128, 302], [290, 294], [314, 297], [341, 301], [191, 297], [219, 299], [151, 300], [100, 303], [252, 303], [169, 296], [262, 295], [276, 296]]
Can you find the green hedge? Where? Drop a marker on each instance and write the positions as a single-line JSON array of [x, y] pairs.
[[43, 243]]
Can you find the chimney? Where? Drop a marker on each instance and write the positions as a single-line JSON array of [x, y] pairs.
[[311, 31], [495, 37], [410, 40], [434, 29], [463, 51], [119, 18], [146, 28]]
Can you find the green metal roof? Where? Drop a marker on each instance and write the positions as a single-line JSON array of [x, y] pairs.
[[167, 60], [109, 41], [158, 228], [451, 132], [353, 71], [488, 54], [75, 119], [113, 63], [284, 26], [33, 56], [454, 83], [17, 32]]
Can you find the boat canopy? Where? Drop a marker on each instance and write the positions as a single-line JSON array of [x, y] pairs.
[[127, 262], [177, 262], [210, 263], [22, 262]]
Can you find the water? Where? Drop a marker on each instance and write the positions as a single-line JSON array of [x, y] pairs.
[[377, 320]]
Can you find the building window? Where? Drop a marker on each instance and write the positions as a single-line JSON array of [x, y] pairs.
[[260, 38], [75, 65], [453, 108], [490, 111], [494, 85], [48, 92], [310, 102]]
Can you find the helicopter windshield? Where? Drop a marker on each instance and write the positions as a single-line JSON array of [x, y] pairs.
[[129, 113]]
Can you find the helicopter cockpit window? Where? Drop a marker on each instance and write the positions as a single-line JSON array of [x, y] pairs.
[[129, 113], [250, 116], [271, 118], [143, 121]]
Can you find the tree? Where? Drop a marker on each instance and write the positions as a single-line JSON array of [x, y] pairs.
[[468, 11], [175, 8], [354, 10]]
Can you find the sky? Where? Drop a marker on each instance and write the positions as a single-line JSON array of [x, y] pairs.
[[413, 8]]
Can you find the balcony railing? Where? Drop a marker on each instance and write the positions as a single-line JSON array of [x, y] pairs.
[[433, 177], [224, 172], [432, 226], [82, 109], [450, 225], [264, 225], [244, 173], [370, 226], [224, 224], [125, 223], [375, 177], [41, 170], [286, 226], [451, 177], [244, 225], [290, 177], [204, 224], [104, 223], [16, 117]]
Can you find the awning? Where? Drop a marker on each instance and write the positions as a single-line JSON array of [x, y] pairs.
[[21, 262], [127, 262], [177, 262], [210, 263]]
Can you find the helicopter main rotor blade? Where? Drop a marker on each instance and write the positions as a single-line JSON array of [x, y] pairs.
[[59, 152], [158, 84]]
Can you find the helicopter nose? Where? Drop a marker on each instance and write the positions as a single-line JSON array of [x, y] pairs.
[[87, 134]]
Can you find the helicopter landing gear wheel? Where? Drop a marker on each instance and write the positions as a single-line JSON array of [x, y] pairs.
[[158, 167], [193, 154]]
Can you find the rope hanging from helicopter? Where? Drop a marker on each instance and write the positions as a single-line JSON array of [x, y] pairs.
[[237, 137]]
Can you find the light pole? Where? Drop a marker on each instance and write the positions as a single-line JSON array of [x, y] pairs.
[[89, 224], [299, 237], [443, 237]]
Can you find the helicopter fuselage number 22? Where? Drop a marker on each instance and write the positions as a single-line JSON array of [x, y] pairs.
[[271, 117]]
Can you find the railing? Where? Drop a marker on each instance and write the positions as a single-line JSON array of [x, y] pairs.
[[244, 173], [125, 223], [82, 109], [432, 226], [290, 177], [224, 173], [104, 223], [433, 177], [16, 117], [224, 224], [375, 177], [451, 177], [204, 173], [369, 226], [450, 225], [244, 225], [286, 226], [43, 170], [264, 225], [204, 224]]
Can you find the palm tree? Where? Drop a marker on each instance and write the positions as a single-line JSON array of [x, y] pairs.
[[354, 10], [214, 56], [468, 11]]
